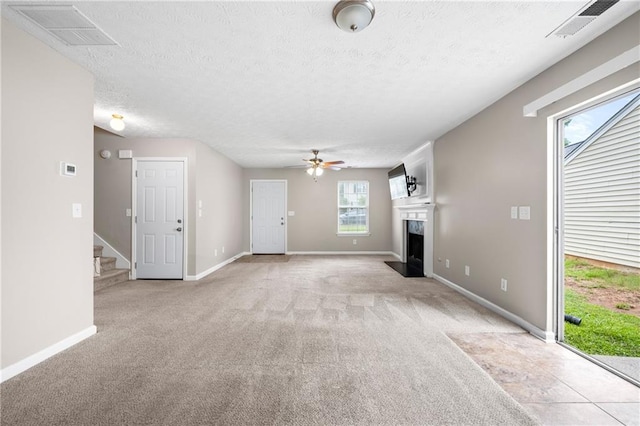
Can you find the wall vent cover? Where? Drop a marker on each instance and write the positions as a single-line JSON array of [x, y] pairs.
[[66, 23]]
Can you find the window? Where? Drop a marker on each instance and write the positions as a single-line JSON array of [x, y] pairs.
[[353, 207]]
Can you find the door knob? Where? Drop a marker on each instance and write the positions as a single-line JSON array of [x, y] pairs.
[[179, 229], [179, 220]]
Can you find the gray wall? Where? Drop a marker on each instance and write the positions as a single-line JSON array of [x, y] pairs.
[[219, 188], [47, 275], [315, 224], [212, 178], [497, 159]]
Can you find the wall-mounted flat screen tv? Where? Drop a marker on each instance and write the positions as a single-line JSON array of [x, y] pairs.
[[398, 183]]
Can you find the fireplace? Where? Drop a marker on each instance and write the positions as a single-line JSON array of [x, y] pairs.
[[416, 226], [415, 245]]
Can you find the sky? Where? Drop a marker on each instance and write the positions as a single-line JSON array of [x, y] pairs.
[[583, 125]]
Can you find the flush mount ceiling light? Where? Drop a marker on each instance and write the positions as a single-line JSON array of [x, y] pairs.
[[353, 15], [117, 122]]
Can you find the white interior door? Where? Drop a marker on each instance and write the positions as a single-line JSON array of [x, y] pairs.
[[159, 219], [268, 208]]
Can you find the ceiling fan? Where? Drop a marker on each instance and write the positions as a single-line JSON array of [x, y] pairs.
[[317, 165]]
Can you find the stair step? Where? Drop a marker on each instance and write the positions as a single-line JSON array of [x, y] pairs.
[[109, 278], [107, 264], [97, 251]]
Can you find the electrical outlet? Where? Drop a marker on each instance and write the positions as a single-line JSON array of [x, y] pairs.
[[524, 212], [466, 270], [222, 249], [355, 241], [215, 252], [503, 284], [446, 263]]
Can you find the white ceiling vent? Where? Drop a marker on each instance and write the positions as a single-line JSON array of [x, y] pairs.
[[66, 23], [583, 17]]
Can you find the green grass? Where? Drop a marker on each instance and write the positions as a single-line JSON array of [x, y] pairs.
[[581, 270], [602, 332], [352, 228]]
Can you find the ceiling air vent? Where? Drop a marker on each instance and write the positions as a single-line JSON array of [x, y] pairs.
[[598, 7], [66, 23], [583, 17]]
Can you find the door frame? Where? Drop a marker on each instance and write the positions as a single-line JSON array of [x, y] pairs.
[[286, 212], [555, 216], [555, 203], [134, 209]]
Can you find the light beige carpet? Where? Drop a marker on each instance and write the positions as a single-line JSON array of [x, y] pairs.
[[317, 340]]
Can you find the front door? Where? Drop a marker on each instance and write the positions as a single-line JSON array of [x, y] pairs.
[[268, 216], [159, 219]]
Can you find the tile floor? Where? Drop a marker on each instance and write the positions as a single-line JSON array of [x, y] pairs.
[[553, 383]]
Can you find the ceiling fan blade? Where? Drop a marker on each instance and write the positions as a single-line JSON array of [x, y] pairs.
[[333, 168], [332, 163]]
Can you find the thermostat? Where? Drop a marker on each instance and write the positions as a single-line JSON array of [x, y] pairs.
[[67, 169]]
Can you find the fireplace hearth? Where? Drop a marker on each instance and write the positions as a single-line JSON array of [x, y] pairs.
[[414, 238]]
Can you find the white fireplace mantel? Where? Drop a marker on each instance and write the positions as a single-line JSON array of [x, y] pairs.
[[423, 213]]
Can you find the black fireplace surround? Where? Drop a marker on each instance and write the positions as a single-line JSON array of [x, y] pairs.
[[415, 245], [414, 236]]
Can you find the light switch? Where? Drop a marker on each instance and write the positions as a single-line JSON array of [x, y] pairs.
[[525, 212], [291, 213], [127, 212], [200, 203], [514, 212], [125, 153], [76, 210]]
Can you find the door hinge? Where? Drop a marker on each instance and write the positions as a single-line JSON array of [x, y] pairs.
[[135, 265], [135, 219], [136, 173]]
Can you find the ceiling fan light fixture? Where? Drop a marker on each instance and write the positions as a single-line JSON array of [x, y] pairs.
[[310, 171], [353, 16], [117, 122]]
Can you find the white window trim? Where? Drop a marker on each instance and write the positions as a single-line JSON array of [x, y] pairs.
[[353, 234]]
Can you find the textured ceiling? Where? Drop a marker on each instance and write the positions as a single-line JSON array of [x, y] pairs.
[[265, 82]]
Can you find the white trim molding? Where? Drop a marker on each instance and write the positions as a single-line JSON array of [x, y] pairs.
[[30, 361], [612, 66], [341, 253], [214, 268], [547, 336]]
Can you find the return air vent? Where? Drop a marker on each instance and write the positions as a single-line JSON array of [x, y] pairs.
[[598, 7], [66, 23], [583, 17]]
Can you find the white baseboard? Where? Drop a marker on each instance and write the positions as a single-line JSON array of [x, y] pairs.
[[341, 253], [21, 366], [397, 256], [108, 250], [214, 268], [547, 336]]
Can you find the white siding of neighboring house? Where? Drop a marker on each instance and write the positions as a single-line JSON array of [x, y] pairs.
[[602, 196]]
